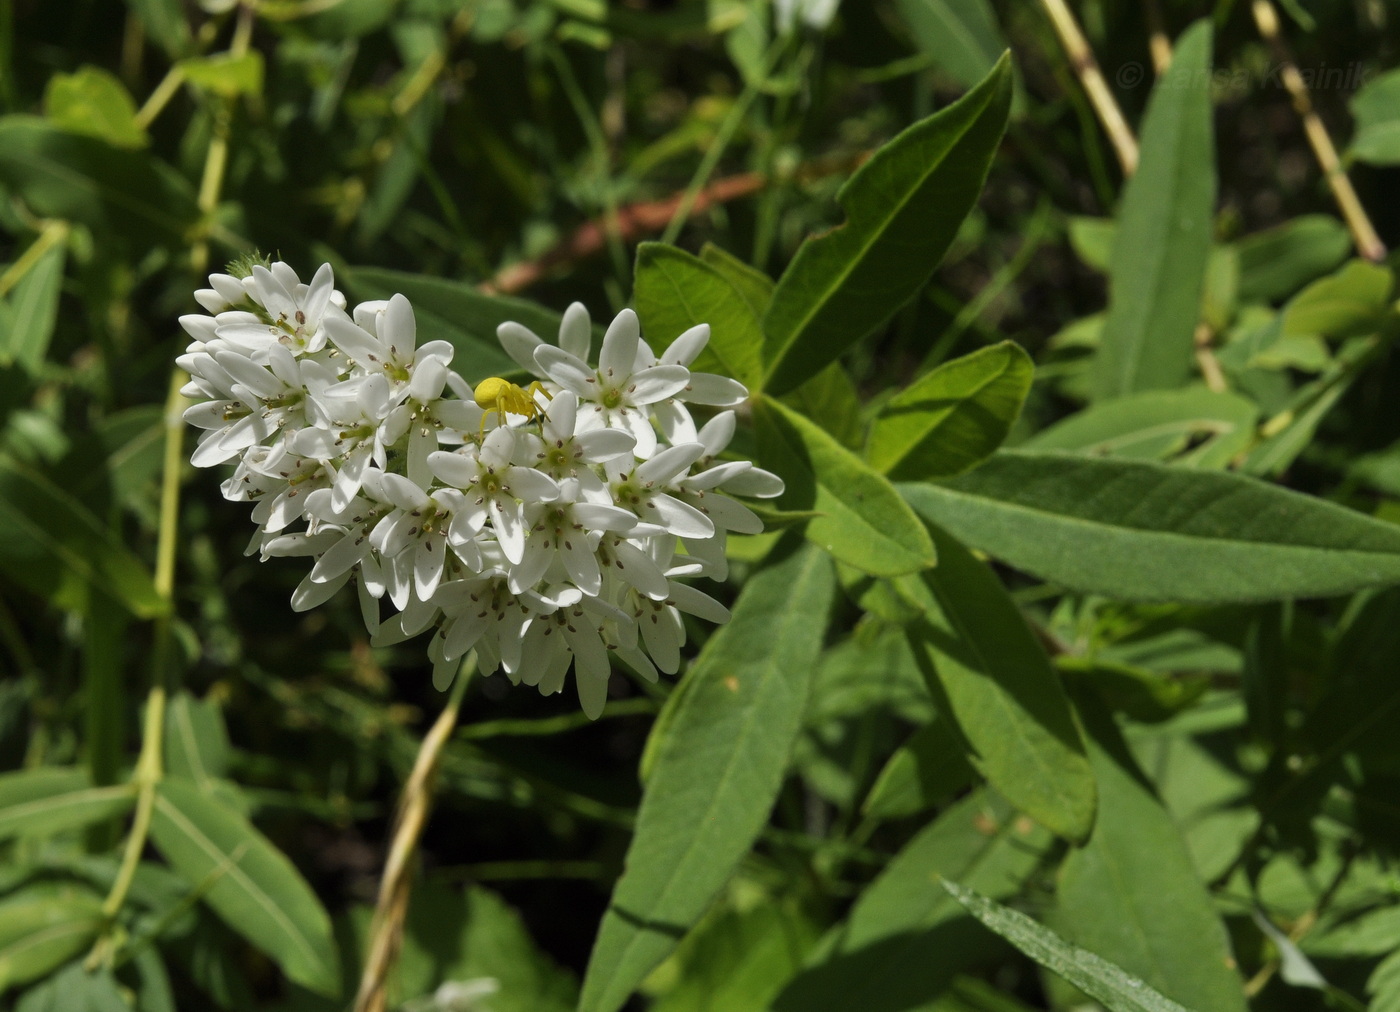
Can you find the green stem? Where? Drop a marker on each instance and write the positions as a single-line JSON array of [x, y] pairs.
[[53, 233], [715, 152]]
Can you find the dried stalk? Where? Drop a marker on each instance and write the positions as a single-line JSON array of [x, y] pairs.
[[1363, 233], [1086, 68]]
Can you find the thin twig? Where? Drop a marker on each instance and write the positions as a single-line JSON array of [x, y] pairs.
[[1363, 233], [1086, 68], [637, 220], [391, 908]]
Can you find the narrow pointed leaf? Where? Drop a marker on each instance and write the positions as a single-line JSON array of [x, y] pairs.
[[1162, 241], [1144, 531], [247, 881], [1118, 990], [716, 772], [903, 208], [39, 934], [863, 520], [32, 311]]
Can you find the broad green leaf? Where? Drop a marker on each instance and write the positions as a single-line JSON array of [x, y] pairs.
[[1164, 232], [832, 401], [455, 311], [905, 938], [224, 74], [1349, 303], [924, 772], [1131, 894], [1118, 990], [752, 284], [1148, 532], [952, 418], [93, 101], [1156, 424], [864, 522], [75, 989], [959, 36], [133, 199], [39, 934], [46, 800], [247, 881], [1277, 262], [50, 543], [980, 657], [395, 179], [1376, 108], [32, 310], [903, 208], [717, 770], [676, 291]]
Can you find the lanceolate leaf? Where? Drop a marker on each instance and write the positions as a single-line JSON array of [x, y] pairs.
[[716, 772], [1095, 976], [38, 801], [960, 36], [1131, 893], [248, 882], [903, 208], [863, 521], [50, 543], [979, 655], [905, 937], [1149, 532], [1163, 237], [38, 934], [952, 418], [31, 311], [675, 291]]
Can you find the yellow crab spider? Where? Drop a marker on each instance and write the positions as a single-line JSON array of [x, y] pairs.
[[503, 396]]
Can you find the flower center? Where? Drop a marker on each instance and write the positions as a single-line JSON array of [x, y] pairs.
[[612, 398]]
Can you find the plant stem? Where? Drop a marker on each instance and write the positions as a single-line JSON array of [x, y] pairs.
[[1086, 68], [160, 97], [391, 908], [1363, 233], [53, 233]]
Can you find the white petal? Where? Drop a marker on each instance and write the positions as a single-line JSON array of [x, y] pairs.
[[597, 517], [569, 371], [427, 566], [498, 448], [509, 524], [680, 519], [638, 569], [561, 417], [308, 594], [402, 493], [717, 433], [576, 331], [620, 346], [670, 462], [756, 483], [397, 328], [604, 444], [453, 468], [662, 641], [708, 388], [699, 604], [340, 558], [657, 383], [531, 485], [690, 344], [519, 342]]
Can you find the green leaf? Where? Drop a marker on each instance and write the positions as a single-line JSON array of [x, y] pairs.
[[1118, 990], [130, 197], [196, 739], [717, 771], [164, 21], [1350, 303], [979, 656], [94, 102], [1147, 532], [903, 208], [924, 772], [37, 935], [1156, 424], [47, 800], [832, 401], [755, 287], [1376, 108], [1277, 262], [1131, 893], [455, 311], [864, 523], [74, 989], [1092, 240], [50, 543], [952, 418], [247, 881], [32, 310], [959, 36], [905, 937], [224, 74], [676, 291], [1164, 232]]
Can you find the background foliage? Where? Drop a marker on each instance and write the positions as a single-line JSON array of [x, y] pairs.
[[1142, 425]]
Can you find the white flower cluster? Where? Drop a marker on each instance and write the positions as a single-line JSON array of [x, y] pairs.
[[540, 526]]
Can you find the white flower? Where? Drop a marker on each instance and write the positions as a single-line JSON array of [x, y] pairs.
[[385, 342], [618, 394], [293, 313]]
